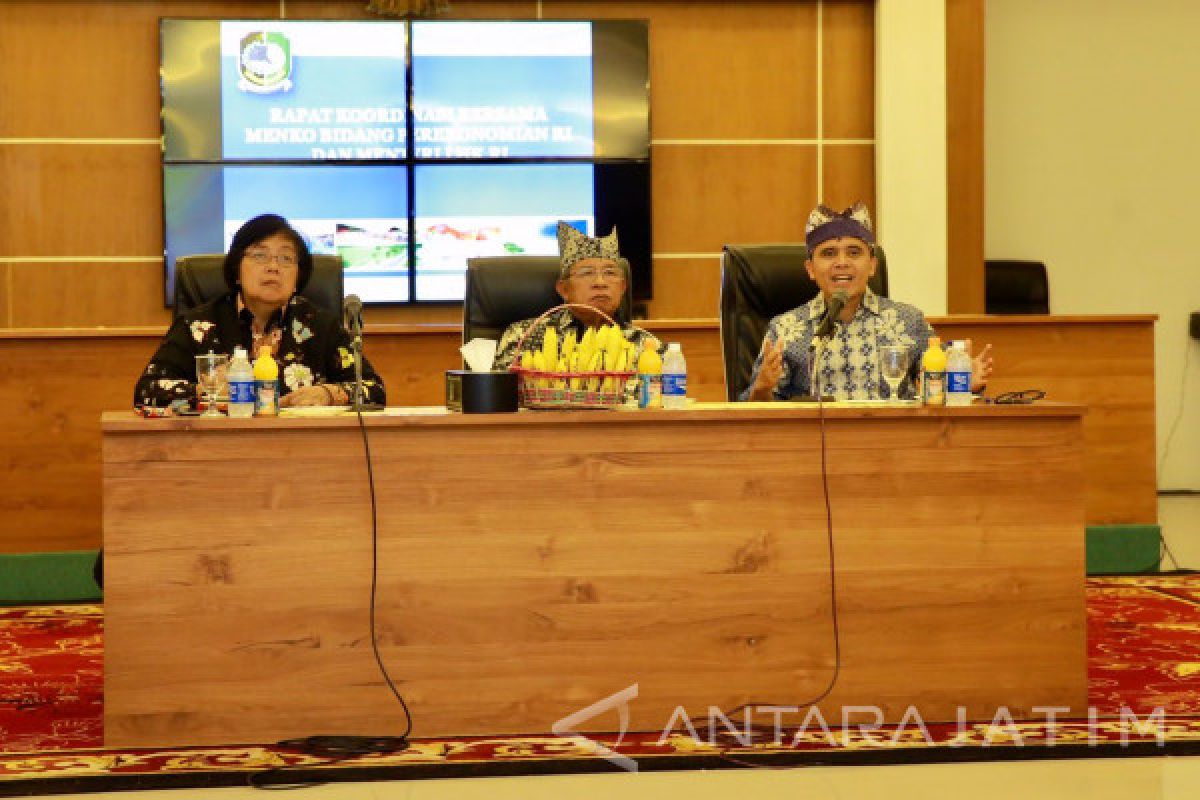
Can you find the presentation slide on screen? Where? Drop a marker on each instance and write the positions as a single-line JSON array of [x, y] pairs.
[[357, 212], [464, 211], [502, 89], [313, 90], [270, 124]]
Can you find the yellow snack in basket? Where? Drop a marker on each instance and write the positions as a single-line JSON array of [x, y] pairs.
[[585, 350], [600, 340], [594, 365], [560, 381], [573, 365], [615, 343], [550, 347], [622, 365]]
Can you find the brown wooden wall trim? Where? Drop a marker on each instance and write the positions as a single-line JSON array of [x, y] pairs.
[[964, 155]]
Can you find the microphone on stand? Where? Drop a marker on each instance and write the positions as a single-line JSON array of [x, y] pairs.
[[820, 340], [833, 310], [352, 322], [352, 313]]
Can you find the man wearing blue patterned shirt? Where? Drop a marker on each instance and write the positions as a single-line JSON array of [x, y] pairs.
[[842, 259]]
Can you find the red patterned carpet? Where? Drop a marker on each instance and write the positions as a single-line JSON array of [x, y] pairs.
[[1144, 654], [1144, 644], [51, 677]]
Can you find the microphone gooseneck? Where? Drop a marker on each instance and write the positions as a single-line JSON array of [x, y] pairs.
[[832, 311], [352, 313], [352, 322]]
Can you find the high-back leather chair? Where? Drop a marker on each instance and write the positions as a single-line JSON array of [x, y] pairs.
[[502, 290], [758, 282], [199, 279], [1015, 287]]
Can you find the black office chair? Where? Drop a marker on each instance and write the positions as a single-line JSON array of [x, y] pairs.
[[198, 279], [502, 290], [758, 282], [1015, 287]]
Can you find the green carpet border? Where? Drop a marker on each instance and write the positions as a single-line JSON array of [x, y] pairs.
[[1123, 549], [48, 578]]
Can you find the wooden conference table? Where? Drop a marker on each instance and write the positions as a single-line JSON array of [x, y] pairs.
[[532, 564]]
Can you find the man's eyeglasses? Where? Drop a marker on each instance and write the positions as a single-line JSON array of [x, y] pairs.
[[261, 258], [590, 273]]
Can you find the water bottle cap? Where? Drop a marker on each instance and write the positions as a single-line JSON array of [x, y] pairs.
[[673, 347]]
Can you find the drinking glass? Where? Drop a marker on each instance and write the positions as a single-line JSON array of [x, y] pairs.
[[210, 374], [893, 365]]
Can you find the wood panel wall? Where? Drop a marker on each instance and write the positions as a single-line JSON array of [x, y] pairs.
[[964, 156], [746, 139]]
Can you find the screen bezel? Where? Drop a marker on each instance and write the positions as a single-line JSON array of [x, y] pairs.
[[620, 116]]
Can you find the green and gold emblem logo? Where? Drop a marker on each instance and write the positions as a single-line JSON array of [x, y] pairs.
[[265, 62]]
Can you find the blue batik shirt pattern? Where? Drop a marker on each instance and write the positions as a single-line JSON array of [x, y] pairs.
[[849, 366]]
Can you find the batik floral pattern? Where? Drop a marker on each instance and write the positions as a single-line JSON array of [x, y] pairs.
[[847, 366], [308, 343], [296, 376]]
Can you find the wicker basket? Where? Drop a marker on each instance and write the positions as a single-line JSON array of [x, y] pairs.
[[545, 389]]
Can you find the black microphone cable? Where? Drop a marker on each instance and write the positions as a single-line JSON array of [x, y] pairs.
[[837, 638], [337, 749], [355, 306], [408, 723]]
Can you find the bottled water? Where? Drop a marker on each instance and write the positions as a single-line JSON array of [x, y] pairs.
[[241, 384], [674, 378], [649, 367], [958, 375]]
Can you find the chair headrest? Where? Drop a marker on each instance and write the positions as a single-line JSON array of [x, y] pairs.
[[199, 279], [1016, 287], [502, 290]]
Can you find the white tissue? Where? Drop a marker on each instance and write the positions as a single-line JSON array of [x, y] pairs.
[[479, 354]]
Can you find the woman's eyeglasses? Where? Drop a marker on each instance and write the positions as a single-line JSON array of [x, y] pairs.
[[260, 258]]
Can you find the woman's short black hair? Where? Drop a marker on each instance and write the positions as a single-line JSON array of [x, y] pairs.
[[253, 232]]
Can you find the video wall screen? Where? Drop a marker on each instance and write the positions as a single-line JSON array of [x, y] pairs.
[[406, 147], [359, 212]]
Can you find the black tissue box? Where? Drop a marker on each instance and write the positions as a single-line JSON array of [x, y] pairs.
[[491, 392]]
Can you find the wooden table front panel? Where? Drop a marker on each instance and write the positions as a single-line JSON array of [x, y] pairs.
[[532, 565]]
